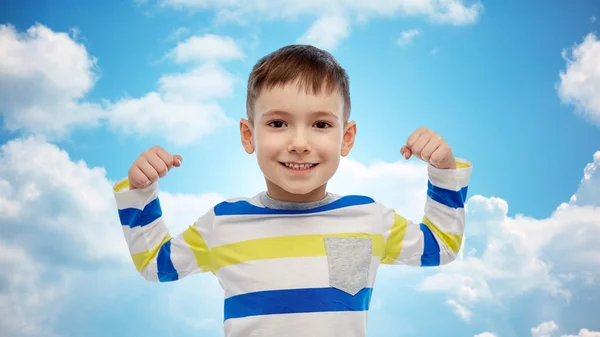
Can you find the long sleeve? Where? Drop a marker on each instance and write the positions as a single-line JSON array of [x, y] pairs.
[[156, 255], [437, 239]]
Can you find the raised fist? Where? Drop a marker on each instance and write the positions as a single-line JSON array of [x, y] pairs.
[[151, 165]]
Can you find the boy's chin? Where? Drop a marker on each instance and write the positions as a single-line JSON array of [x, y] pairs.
[[304, 189]]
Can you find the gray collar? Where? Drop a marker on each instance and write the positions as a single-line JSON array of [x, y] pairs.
[[269, 202]]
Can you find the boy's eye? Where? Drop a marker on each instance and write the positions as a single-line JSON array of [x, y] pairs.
[[322, 125], [277, 124]]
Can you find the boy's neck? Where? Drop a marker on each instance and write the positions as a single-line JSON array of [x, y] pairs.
[[269, 202], [279, 194]]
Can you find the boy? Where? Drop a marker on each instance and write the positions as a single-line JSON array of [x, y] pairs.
[[296, 260]]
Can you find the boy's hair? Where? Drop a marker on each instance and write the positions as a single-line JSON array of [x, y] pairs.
[[314, 69]]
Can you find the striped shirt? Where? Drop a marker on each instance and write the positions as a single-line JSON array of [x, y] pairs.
[[295, 269]]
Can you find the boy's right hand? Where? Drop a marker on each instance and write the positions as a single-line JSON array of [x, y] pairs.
[[151, 165]]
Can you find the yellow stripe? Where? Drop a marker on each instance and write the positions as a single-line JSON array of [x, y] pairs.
[[121, 185], [452, 241], [282, 247], [141, 260], [393, 245], [462, 165], [198, 246]]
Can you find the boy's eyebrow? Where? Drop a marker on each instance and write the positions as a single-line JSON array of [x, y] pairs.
[[285, 113]]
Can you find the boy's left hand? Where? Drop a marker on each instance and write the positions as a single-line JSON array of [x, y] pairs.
[[430, 147]]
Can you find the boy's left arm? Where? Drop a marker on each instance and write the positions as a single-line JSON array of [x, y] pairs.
[[437, 239]]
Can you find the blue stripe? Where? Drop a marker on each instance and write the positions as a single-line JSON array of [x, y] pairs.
[[452, 199], [431, 251], [291, 301], [166, 269], [243, 207], [134, 217]]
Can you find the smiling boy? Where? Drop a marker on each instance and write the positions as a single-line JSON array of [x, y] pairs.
[[296, 260]]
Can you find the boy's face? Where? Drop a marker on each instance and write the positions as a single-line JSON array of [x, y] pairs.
[[298, 139]]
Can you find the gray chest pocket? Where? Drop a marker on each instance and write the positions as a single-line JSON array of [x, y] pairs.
[[349, 262]]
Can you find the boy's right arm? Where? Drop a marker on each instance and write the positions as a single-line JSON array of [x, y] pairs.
[[156, 255]]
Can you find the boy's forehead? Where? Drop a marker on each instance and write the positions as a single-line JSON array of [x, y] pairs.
[[293, 99]]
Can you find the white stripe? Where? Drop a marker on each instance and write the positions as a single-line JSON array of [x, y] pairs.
[[137, 198], [320, 324], [150, 273], [446, 257], [388, 216], [141, 239], [252, 200], [231, 229], [446, 219], [182, 257], [452, 180], [412, 244], [278, 274]]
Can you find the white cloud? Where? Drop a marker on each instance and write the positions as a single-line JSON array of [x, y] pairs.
[[45, 75], [464, 313], [580, 82], [485, 334], [407, 37], [327, 32], [383, 181], [337, 13], [588, 192], [178, 33], [446, 11], [183, 110], [545, 329], [185, 107], [521, 254], [549, 329], [63, 220], [209, 47], [28, 306], [585, 333]]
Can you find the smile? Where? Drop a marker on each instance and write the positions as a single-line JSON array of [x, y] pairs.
[[299, 166]]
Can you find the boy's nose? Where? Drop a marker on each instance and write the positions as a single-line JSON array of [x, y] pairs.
[[299, 145]]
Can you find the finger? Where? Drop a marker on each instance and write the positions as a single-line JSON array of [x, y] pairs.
[[413, 138], [149, 171], [165, 156], [441, 156], [420, 144], [158, 164], [137, 178], [429, 149], [406, 152], [177, 160]]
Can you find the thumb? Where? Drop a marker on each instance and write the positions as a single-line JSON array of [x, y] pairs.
[[177, 160], [406, 152]]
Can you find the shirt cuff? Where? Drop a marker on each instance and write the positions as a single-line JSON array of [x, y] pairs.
[[137, 198], [451, 179]]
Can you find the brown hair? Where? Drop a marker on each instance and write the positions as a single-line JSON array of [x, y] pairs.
[[310, 66]]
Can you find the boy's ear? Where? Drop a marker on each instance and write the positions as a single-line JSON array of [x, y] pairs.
[[246, 135], [348, 138]]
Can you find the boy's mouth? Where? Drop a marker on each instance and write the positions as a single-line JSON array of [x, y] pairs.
[[299, 166]]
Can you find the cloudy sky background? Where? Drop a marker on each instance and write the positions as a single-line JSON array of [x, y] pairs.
[[85, 87]]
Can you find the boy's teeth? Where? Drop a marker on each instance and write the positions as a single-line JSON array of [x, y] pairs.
[[299, 166]]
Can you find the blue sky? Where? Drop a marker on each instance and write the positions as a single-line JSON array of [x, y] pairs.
[[487, 77]]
